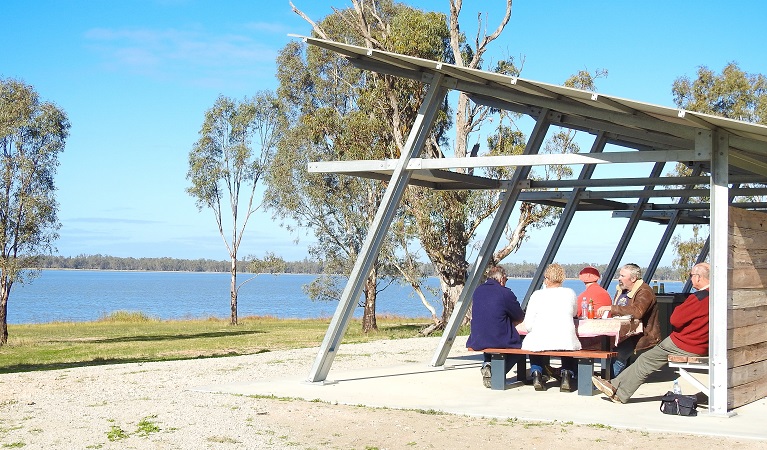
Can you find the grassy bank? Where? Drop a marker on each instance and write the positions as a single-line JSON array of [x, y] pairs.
[[133, 337]]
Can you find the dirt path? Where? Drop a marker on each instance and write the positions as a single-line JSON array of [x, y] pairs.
[[152, 406]]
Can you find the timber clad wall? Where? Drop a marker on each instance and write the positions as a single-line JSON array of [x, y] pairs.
[[747, 307]]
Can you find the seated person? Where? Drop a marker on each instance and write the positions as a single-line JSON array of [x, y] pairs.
[[634, 298], [594, 292], [495, 312], [550, 326], [689, 337]]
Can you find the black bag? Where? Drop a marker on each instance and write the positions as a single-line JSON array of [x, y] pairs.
[[678, 404]]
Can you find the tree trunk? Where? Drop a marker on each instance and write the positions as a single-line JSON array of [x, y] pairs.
[[369, 314], [233, 292], [450, 293], [5, 291]]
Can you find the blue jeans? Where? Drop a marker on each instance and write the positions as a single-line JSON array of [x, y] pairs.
[[538, 362], [625, 353]]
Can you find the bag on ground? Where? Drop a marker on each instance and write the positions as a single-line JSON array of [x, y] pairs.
[[678, 404]]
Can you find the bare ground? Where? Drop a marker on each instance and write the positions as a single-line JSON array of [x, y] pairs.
[[153, 406]]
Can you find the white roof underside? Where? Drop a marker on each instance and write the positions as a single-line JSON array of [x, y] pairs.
[[658, 133]]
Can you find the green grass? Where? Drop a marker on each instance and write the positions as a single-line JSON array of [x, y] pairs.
[[125, 337]]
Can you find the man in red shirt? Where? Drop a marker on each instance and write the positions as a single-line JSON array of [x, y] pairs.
[[594, 292], [689, 337]]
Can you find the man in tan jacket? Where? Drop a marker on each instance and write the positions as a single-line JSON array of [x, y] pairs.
[[634, 298]]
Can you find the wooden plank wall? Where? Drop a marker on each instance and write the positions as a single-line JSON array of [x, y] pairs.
[[747, 307]]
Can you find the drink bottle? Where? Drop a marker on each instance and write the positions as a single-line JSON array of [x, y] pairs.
[[590, 312], [677, 389], [584, 308]]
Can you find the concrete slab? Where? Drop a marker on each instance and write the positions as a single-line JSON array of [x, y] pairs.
[[457, 388]]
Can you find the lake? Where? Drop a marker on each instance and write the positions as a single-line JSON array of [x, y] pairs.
[[79, 296]]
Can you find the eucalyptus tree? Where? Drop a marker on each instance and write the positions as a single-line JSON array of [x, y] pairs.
[[445, 222], [237, 141], [32, 134], [340, 113], [732, 93]]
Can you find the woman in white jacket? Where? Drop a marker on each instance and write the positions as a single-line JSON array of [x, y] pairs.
[[550, 325]]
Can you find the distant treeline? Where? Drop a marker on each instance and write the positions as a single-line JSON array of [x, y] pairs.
[[102, 262], [527, 270]]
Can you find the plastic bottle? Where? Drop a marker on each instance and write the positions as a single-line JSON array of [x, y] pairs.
[[590, 312], [584, 308], [677, 389]]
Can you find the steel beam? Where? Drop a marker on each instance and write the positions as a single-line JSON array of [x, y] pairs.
[[485, 255], [376, 232], [674, 220], [628, 232], [717, 141], [568, 212]]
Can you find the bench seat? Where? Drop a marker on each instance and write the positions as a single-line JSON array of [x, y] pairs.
[[585, 360], [695, 363]]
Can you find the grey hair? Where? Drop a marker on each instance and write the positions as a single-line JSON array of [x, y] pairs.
[[634, 270], [497, 273], [703, 269]]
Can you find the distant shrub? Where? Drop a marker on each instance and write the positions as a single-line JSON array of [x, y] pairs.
[[126, 316]]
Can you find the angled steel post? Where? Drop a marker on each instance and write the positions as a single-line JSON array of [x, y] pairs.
[[667, 234], [636, 214], [701, 258], [491, 241], [564, 220], [377, 230]]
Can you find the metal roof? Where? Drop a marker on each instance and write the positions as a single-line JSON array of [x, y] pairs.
[[733, 152], [627, 123]]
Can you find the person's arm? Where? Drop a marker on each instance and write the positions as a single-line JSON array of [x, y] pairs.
[[689, 310], [637, 307], [514, 309]]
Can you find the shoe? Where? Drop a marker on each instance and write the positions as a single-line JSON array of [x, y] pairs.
[[538, 381], [606, 388], [552, 373], [568, 382], [486, 375]]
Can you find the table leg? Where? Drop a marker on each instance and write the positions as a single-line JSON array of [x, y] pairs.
[[606, 364], [498, 372], [585, 371]]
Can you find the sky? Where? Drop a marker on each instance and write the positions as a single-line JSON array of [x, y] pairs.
[[136, 77]]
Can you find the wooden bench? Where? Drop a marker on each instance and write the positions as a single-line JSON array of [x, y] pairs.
[[695, 363], [585, 360]]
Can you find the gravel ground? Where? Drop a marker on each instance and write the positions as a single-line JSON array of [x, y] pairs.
[[152, 406]]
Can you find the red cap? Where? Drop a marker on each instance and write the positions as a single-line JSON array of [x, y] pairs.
[[589, 275]]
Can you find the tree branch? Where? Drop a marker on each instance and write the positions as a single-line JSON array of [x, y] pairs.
[[315, 27]]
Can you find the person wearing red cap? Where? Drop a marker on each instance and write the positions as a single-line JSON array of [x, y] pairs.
[[594, 292]]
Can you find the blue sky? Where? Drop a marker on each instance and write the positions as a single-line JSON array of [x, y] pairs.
[[136, 77]]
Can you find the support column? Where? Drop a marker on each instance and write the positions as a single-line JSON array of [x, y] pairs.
[[494, 234], [718, 142], [564, 220], [377, 231], [628, 233], [667, 234]]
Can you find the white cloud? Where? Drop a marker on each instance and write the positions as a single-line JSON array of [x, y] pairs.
[[193, 57]]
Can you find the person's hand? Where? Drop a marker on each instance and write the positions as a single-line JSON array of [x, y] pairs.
[[602, 309]]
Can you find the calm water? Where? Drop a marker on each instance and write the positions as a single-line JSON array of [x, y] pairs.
[[64, 295]]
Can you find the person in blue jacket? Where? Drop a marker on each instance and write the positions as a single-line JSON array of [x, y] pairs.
[[495, 313]]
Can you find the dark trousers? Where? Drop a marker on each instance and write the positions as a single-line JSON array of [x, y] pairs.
[[538, 362]]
